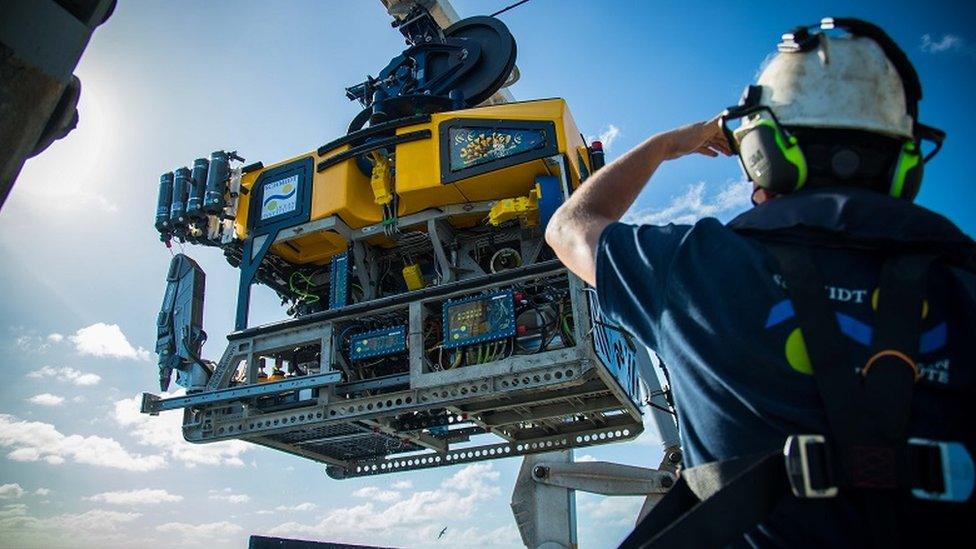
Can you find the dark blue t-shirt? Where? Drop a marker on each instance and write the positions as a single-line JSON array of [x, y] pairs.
[[711, 303]]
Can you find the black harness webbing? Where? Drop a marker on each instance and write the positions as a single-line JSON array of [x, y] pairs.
[[685, 518], [867, 411]]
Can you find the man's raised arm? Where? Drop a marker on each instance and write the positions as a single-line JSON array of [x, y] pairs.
[[574, 230]]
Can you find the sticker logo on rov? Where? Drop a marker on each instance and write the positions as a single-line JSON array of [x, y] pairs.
[[280, 197]]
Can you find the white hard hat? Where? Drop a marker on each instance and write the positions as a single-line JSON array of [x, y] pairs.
[[844, 82]]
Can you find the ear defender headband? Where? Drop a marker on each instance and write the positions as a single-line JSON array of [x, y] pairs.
[[772, 158]]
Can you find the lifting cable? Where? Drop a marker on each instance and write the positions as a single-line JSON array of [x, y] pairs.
[[503, 10]]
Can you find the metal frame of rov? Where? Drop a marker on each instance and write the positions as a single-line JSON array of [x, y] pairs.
[[576, 386]]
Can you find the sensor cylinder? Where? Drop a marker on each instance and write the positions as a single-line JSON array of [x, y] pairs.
[[194, 206], [217, 177], [163, 202], [181, 186]]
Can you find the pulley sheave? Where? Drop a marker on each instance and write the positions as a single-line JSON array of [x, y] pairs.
[[458, 68]]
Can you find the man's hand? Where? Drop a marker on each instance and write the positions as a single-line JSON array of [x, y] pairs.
[[575, 228], [704, 138]]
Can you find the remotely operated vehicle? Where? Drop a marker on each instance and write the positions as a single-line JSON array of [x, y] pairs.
[[428, 323]]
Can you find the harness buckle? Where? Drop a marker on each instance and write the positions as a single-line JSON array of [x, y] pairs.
[[808, 467], [957, 470]]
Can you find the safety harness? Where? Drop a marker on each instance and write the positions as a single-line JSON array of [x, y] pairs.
[[866, 450]]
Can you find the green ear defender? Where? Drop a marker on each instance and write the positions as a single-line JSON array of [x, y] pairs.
[[906, 174], [771, 157]]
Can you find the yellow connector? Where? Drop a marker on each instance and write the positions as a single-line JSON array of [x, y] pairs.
[[382, 179], [525, 208], [413, 277]]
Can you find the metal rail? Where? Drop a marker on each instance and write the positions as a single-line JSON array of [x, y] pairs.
[[152, 404]]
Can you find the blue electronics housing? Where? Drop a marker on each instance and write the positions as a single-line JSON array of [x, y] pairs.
[[478, 319], [617, 353], [377, 343]]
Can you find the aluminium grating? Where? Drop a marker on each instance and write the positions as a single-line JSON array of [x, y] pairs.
[[369, 445], [326, 431]]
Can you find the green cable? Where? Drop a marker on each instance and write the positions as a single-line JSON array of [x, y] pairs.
[[303, 295], [568, 331]]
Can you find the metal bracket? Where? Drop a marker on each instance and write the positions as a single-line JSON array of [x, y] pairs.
[[601, 477], [255, 248], [545, 514], [366, 268], [439, 231]]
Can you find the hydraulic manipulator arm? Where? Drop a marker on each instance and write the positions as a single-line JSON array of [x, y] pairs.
[[179, 327]]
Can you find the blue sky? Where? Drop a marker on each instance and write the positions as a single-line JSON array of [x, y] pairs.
[[166, 82]]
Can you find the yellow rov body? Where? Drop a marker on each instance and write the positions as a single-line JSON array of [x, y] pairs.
[[477, 155]]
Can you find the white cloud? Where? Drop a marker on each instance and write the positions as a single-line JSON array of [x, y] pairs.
[[229, 497], [402, 485], [31, 454], [144, 496], [947, 42], [42, 492], [306, 506], [55, 338], [70, 375], [606, 136], [106, 340], [46, 399], [694, 205], [33, 441], [11, 491], [418, 518], [93, 520], [13, 510], [86, 379], [31, 343], [165, 432], [197, 531], [95, 528], [232, 498], [478, 479], [376, 494]]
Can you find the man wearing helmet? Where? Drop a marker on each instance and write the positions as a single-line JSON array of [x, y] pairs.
[[817, 344]]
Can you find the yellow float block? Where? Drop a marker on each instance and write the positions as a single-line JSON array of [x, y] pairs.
[[417, 178]]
